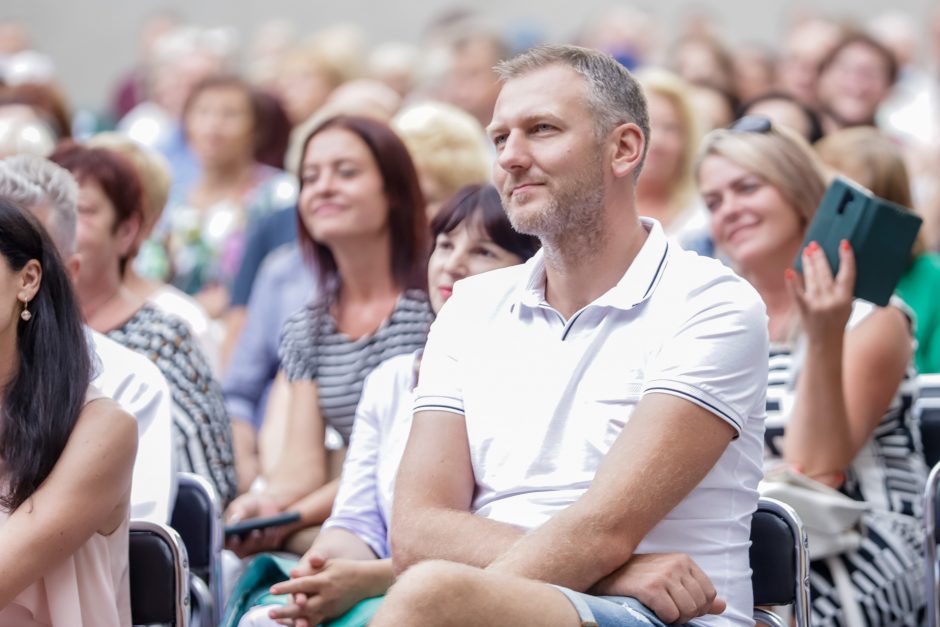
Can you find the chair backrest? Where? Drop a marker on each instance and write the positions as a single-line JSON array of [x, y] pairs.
[[927, 413], [197, 517], [931, 540], [780, 559], [159, 575]]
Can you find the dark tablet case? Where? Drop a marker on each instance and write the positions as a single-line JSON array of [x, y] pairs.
[[881, 234]]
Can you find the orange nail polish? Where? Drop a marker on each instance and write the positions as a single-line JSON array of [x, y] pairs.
[[844, 245], [813, 246], [789, 274]]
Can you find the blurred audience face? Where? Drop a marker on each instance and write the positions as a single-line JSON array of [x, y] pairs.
[[174, 80], [220, 126], [900, 33], [13, 37], [853, 85], [750, 219], [782, 112], [713, 107], [471, 83], [753, 71], [805, 47], [465, 251], [303, 85], [342, 193], [701, 59], [99, 241], [667, 140]]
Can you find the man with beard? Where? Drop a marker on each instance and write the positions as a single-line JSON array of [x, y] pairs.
[[586, 443]]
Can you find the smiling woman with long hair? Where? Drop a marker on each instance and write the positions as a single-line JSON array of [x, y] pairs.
[[350, 560], [362, 224], [66, 453]]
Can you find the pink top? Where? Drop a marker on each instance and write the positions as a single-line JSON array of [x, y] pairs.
[[90, 588]]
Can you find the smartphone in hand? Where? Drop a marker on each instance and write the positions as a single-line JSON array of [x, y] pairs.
[[243, 527]]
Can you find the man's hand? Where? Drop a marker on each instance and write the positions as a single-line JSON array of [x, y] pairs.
[[330, 589], [670, 584]]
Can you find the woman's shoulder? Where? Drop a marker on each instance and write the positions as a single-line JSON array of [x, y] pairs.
[[102, 419]]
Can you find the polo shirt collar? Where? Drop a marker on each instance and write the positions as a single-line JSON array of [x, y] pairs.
[[636, 285]]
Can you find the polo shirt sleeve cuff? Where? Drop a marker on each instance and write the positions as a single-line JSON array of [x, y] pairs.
[[700, 397], [449, 404], [373, 540]]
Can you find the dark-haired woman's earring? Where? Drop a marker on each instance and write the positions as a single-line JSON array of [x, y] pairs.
[[25, 315]]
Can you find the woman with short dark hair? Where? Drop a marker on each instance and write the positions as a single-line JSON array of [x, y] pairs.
[[109, 218], [203, 229]]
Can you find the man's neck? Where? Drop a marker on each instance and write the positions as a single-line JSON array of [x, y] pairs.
[[652, 199], [580, 267]]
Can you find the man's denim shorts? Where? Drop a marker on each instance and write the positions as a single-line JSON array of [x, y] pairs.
[[611, 611]]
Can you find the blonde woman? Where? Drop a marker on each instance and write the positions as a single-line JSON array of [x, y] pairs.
[[835, 400], [449, 149], [666, 191]]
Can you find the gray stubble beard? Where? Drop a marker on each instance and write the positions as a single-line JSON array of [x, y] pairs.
[[571, 225]]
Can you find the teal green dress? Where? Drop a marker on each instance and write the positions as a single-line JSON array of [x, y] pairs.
[[266, 570], [920, 289]]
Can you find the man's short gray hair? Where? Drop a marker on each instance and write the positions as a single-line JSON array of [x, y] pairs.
[[614, 95], [33, 182]]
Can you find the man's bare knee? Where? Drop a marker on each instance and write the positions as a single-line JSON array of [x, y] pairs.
[[422, 590], [434, 578]]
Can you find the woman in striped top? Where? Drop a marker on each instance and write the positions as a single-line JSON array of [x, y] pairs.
[[363, 225], [835, 403]]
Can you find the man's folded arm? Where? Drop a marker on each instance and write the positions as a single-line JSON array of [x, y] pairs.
[[433, 493], [665, 449]]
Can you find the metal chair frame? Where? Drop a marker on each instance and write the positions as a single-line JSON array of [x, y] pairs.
[[931, 539], [209, 593], [172, 540], [800, 545]]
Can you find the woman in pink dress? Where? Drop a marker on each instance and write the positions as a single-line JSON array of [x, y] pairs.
[[66, 453]]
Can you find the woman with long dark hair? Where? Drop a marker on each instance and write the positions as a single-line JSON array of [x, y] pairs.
[[66, 453], [362, 222]]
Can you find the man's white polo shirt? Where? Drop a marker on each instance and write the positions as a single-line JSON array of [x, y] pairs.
[[138, 386], [544, 398]]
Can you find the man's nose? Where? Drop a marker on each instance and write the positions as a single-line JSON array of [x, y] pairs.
[[514, 154]]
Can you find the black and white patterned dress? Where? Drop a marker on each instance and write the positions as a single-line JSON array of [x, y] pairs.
[[312, 349], [886, 572], [202, 435]]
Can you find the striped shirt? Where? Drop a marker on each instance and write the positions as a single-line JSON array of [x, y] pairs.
[[202, 434], [312, 349]]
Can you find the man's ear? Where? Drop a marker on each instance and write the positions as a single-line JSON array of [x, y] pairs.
[[72, 265], [629, 145]]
